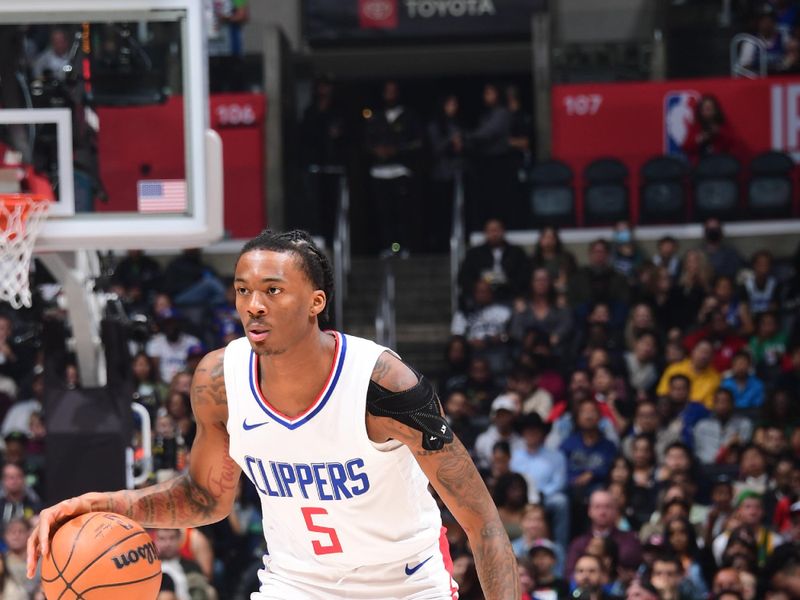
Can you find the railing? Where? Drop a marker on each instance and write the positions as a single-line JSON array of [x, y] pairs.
[[134, 481], [341, 239], [726, 14], [385, 318], [77, 272], [341, 250], [760, 50], [457, 241]]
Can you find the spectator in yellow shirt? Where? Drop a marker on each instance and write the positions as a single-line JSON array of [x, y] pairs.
[[701, 373]]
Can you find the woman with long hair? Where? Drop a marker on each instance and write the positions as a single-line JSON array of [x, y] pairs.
[[534, 527], [9, 588], [695, 271], [694, 284], [539, 311], [681, 538], [549, 252], [642, 365], [150, 390], [619, 486], [15, 538], [641, 318], [510, 495], [643, 478], [179, 407], [643, 462], [709, 133]]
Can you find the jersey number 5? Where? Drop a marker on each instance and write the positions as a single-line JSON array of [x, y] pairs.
[[335, 546]]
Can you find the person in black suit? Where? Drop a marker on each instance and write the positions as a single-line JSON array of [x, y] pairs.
[[505, 266]]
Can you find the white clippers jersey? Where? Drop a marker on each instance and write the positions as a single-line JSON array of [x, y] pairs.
[[333, 502]]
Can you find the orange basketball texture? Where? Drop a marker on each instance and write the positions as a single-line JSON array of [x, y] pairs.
[[101, 555]]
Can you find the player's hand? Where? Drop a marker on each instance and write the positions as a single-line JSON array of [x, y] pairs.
[[49, 520]]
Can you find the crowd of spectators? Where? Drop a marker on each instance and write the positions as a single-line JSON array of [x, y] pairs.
[[633, 416]]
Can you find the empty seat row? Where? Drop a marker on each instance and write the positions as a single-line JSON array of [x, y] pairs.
[[669, 190]]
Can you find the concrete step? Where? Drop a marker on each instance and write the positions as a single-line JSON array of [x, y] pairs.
[[422, 302], [366, 281], [419, 311], [406, 293], [408, 333], [420, 267], [420, 346]]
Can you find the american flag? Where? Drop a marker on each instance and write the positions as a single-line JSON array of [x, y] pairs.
[[162, 195]]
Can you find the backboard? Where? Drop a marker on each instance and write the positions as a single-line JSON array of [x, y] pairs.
[[105, 105]]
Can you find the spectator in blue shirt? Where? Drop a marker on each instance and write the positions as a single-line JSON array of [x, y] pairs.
[[680, 414], [589, 454], [562, 414], [546, 471], [747, 389]]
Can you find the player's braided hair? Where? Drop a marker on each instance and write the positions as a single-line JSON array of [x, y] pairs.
[[314, 263]]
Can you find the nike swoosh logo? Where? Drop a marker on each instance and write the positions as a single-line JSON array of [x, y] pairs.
[[247, 427], [412, 570]]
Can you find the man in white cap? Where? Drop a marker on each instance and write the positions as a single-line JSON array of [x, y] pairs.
[[505, 409]]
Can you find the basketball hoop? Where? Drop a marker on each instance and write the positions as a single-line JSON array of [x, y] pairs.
[[21, 219]]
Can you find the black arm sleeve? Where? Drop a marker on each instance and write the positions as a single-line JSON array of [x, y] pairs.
[[417, 407]]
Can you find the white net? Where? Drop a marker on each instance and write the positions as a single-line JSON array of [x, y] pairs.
[[21, 218]]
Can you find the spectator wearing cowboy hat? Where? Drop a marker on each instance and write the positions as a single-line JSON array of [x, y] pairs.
[[545, 468]]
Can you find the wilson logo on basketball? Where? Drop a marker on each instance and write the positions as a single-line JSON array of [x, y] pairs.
[[147, 552]]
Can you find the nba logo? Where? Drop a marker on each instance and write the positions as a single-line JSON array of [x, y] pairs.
[[785, 118], [678, 118], [377, 14]]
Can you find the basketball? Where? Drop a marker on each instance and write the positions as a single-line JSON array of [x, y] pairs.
[[101, 555]]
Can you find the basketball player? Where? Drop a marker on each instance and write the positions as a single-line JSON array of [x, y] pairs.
[[339, 437]]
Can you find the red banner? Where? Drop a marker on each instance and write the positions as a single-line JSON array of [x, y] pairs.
[[146, 142], [636, 121]]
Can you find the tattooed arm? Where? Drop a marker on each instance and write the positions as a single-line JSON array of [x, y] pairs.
[[203, 495], [455, 478]]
